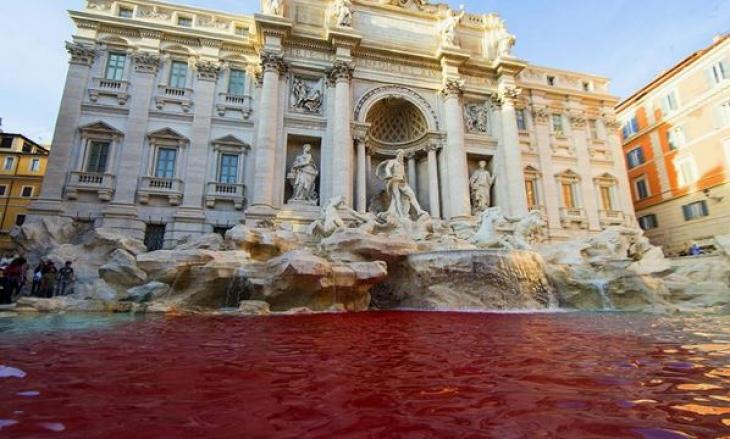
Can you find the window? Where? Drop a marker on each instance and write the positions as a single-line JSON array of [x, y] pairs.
[[695, 210], [675, 137], [26, 192], [551, 80], [669, 103], [154, 237], [98, 157], [570, 194], [635, 157], [35, 165], [237, 83], [9, 163], [27, 147], [648, 222], [557, 124], [7, 142], [184, 21], [115, 66], [3, 190], [607, 197], [165, 167], [126, 12], [587, 86], [521, 121], [531, 192], [723, 115], [593, 126], [631, 127], [642, 188], [228, 172], [19, 220], [178, 74], [717, 73], [686, 170], [239, 30]]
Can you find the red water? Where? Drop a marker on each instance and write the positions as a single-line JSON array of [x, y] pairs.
[[379, 375]]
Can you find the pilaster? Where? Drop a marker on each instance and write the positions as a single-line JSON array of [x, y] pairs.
[[457, 181]]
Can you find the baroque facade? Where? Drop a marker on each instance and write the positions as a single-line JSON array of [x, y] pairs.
[[676, 137], [177, 121]]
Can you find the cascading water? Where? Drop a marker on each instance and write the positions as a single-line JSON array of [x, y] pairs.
[[601, 286]]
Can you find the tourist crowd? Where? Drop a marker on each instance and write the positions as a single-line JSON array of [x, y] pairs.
[[47, 280]]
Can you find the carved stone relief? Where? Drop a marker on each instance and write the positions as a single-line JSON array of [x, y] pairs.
[[306, 94], [476, 117]]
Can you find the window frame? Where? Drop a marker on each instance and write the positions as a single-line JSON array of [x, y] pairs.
[[122, 9], [629, 155], [243, 80], [4, 190], [11, 161], [184, 21], [654, 222], [156, 163], [647, 188], [557, 124], [89, 151], [20, 219], [678, 167], [521, 118], [118, 69], [689, 214], [32, 165], [173, 78], [22, 191], [236, 168]]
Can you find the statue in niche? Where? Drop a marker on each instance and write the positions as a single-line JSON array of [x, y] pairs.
[[304, 97], [303, 177], [449, 25], [342, 13], [481, 183], [274, 7], [477, 118], [403, 201]]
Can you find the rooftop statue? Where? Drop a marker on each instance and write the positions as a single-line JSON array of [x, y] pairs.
[[449, 25], [342, 12], [274, 7], [500, 40]]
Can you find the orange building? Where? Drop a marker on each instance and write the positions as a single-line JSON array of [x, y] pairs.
[[676, 141]]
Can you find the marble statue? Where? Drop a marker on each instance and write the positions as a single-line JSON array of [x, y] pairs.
[[476, 117], [274, 7], [304, 97], [528, 229], [481, 182], [403, 200], [342, 13], [501, 41], [329, 221], [448, 27], [303, 177], [487, 232]]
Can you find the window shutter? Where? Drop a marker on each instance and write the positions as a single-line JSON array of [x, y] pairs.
[[687, 212], [705, 210], [725, 64], [710, 78], [665, 106]]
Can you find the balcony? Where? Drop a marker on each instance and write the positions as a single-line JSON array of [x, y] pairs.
[[109, 87], [226, 192], [101, 184], [176, 96], [612, 218], [170, 188], [573, 216], [234, 103]]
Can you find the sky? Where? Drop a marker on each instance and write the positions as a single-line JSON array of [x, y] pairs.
[[628, 41]]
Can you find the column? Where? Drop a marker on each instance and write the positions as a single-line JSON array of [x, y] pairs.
[[433, 182], [455, 151], [267, 140], [412, 180], [340, 74], [511, 175], [551, 201], [588, 188], [362, 198], [77, 80]]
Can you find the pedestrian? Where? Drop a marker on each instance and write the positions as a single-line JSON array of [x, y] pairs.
[[695, 250], [6, 259], [65, 279], [48, 279], [14, 274], [37, 275]]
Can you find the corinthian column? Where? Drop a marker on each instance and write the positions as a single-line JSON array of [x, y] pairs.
[[341, 74], [77, 78], [263, 196], [433, 181], [457, 181], [510, 176]]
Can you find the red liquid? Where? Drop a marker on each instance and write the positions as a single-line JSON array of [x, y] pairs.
[[375, 375]]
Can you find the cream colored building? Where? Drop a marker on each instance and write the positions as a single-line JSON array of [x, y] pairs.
[[677, 143], [177, 121]]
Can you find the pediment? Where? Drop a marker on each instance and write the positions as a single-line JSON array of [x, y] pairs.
[[167, 134], [100, 127], [231, 141]]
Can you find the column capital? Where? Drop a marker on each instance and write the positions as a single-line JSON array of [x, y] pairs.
[[341, 71], [273, 62], [507, 95], [452, 87], [577, 119], [81, 54], [435, 147], [146, 62], [207, 70], [540, 114]]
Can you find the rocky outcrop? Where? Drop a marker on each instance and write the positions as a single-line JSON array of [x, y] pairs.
[[121, 270], [147, 293], [467, 280]]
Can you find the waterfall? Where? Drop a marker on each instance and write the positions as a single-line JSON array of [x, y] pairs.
[[601, 286]]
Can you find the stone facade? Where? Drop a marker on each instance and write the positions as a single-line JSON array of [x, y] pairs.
[[676, 137], [191, 119]]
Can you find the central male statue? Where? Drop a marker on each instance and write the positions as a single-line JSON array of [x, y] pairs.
[[402, 197]]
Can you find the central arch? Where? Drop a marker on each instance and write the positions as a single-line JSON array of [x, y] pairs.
[[396, 92]]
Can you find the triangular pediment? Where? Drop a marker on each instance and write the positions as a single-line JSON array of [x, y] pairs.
[[167, 134], [231, 140], [100, 127]]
